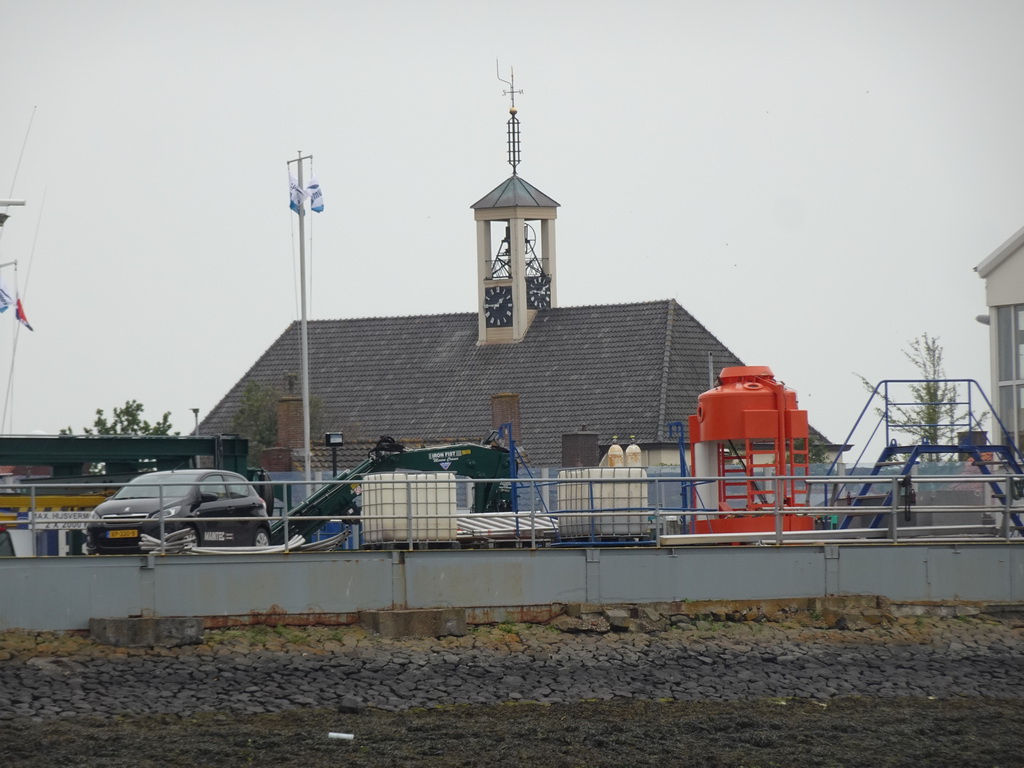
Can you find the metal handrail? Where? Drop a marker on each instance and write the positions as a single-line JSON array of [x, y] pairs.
[[651, 517]]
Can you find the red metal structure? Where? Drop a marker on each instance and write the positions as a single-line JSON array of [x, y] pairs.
[[749, 431]]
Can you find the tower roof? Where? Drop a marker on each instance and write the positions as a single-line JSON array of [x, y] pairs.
[[515, 191]]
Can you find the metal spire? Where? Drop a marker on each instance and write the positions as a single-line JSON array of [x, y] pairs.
[[513, 121]]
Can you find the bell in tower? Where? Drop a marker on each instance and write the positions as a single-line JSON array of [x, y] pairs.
[[516, 272]]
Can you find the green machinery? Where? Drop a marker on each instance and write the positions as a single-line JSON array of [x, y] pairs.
[[121, 454], [489, 464]]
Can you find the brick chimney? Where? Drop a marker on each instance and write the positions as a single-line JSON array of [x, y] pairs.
[[505, 410], [290, 433], [277, 460], [579, 449]]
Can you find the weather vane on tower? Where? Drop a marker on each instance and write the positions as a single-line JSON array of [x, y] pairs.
[[513, 121]]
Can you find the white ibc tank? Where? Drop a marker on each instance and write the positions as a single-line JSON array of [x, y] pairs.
[[392, 500], [619, 492]]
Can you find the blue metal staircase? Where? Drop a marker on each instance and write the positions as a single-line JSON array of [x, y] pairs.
[[1004, 457]]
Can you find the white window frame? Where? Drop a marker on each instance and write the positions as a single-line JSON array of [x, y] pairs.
[[1009, 369]]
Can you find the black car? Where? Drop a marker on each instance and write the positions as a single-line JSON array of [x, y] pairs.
[[187, 498]]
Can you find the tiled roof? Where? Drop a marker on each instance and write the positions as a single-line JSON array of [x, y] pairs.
[[620, 369]]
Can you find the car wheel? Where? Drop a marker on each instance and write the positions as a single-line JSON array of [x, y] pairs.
[[191, 538], [261, 538]]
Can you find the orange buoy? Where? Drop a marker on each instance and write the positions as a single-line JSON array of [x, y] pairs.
[[749, 432]]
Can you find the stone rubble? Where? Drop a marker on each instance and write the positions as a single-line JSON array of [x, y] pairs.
[[253, 670]]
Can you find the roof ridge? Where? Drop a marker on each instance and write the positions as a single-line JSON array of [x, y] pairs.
[[385, 317], [646, 303], [649, 303]]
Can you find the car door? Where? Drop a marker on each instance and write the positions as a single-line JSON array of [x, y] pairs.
[[6, 543], [216, 533], [246, 505]]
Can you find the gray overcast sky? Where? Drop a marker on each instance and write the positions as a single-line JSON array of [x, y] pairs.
[[814, 181]]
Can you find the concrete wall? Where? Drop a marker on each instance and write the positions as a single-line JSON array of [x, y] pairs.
[[64, 593]]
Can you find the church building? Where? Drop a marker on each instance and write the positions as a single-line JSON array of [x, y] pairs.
[[626, 371]]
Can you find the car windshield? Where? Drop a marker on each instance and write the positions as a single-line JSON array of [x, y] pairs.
[[167, 487]]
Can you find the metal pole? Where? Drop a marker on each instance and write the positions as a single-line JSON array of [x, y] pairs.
[[307, 469], [32, 521], [1007, 506], [778, 509], [408, 511], [894, 508], [657, 513], [533, 515], [163, 528]]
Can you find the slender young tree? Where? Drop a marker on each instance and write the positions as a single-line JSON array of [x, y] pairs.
[[936, 414]]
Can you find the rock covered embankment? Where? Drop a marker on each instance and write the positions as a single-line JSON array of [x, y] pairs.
[[263, 670]]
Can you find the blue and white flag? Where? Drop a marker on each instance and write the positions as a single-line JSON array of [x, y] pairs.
[[297, 196], [316, 195], [7, 298]]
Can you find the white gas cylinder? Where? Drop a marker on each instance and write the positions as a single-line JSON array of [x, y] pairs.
[[615, 455], [632, 455]]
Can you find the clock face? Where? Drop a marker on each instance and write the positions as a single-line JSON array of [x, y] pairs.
[[538, 292], [498, 306]]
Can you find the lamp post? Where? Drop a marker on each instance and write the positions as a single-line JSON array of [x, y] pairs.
[[334, 440]]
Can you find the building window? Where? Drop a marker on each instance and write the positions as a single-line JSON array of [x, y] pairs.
[[1010, 351]]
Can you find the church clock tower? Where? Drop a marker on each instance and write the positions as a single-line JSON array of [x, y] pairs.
[[516, 269]]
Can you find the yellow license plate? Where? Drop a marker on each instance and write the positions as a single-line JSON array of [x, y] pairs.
[[124, 533]]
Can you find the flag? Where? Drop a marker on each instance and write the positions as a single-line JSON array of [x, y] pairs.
[[6, 297], [297, 196], [19, 313], [316, 195]]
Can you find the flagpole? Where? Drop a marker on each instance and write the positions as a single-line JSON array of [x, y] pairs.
[[304, 356], [5, 203]]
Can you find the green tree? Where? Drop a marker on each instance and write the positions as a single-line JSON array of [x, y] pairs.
[[934, 414], [256, 417], [817, 450], [127, 420]]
